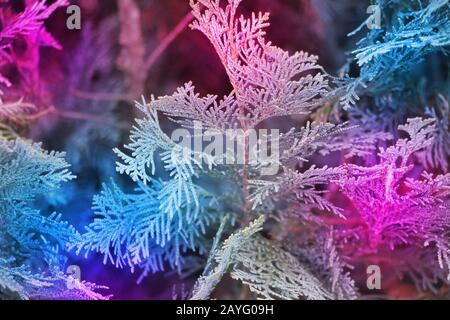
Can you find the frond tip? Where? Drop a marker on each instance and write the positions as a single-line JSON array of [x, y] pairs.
[[224, 258]]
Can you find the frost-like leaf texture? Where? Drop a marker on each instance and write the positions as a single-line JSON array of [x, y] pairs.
[[183, 165], [133, 230], [29, 259], [28, 171], [354, 182], [64, 287], [168, 218], [212, 113], [298, 145], [15, 282], [272, 273], [223, 258], [317, 250], [31, 264], [368, 129], [409, 32], [267, 81], [30, 22], [300, 188], [437, 155], [395, 209]]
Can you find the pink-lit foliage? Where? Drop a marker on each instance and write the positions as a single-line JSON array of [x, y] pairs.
[[33, 259], [267, 81], [354, 188], [386, 207], [21, 37], [396, 205]]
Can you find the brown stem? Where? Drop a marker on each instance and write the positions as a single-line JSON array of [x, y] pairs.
[[99, 96], [337, 221], [167, 41], [83, 116], [73, 115], [42, 113], [149, 62]]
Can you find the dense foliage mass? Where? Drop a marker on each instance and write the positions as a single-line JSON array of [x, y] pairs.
[[361, 152]]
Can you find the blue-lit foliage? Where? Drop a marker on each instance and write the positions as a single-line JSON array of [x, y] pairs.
[[410, 32], [287, 236], [134, 230], [31, 262], [165, 220], [33, 242]]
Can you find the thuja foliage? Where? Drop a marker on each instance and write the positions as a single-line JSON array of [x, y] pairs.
[[33, 244], [171, 218], [31, 262], [411, 33], [286, 236], [308, 231]]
